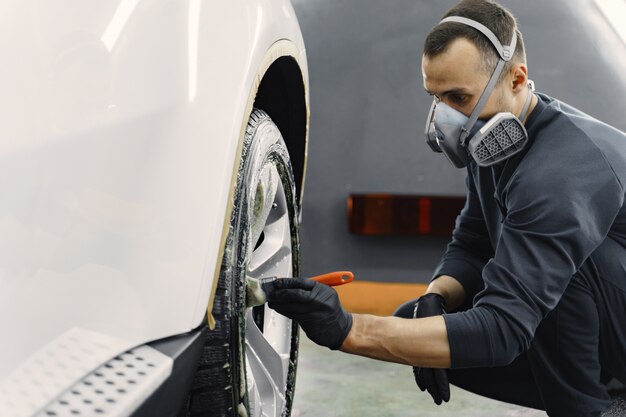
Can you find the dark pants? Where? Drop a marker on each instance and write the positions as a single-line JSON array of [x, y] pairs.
[[578, 347]]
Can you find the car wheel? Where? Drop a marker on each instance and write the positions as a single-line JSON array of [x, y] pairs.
[[248, 365]]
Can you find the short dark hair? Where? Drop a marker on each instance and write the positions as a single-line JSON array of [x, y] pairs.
[[489, 13]]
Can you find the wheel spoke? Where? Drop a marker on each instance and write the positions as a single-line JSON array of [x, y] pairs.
[[263, 201], [267, 368], [277, 331], [273, 255]]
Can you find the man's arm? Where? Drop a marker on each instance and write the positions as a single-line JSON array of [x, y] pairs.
[[318, 311], [417, 342]]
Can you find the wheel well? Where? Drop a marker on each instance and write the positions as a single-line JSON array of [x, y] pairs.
[[281, 95]]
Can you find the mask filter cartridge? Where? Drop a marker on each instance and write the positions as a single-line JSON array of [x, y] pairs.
[[502, 137]]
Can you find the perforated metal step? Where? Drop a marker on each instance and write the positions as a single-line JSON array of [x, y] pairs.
[[115, 389], [54, 368]]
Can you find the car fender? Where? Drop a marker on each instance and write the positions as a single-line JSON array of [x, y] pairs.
[[122, 127]]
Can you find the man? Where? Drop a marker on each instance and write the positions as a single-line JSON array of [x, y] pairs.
[[533, 282]]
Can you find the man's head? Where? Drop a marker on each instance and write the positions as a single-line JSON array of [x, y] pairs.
[[458, 60]]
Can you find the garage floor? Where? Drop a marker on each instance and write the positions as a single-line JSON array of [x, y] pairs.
[[334, 384]]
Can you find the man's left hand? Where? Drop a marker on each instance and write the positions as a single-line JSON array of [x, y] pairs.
[[314, 306]]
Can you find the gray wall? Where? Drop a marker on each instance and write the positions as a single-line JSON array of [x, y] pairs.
[[368, 110]]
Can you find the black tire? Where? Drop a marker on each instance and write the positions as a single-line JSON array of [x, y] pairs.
[[219, 387]]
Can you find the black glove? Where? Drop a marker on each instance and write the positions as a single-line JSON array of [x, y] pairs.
[[433, 380], [314, 306]]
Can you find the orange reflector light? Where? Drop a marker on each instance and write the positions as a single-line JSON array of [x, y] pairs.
[[389, 214]]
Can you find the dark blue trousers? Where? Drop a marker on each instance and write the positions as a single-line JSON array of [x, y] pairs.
[[577, 349]]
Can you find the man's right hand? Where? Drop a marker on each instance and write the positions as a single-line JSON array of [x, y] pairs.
[[315, 306], [433, 380]]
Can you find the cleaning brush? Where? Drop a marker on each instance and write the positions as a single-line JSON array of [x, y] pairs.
[[255, 296]]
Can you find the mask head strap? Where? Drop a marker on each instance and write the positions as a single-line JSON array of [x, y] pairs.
[[522, 115], [505, 52]]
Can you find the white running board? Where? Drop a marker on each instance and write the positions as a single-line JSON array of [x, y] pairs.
[[54, 368], [117, 388]]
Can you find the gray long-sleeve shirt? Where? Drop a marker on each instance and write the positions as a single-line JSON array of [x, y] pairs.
[[528, 225]]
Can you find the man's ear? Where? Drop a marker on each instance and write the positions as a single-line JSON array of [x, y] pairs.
[[519, 74]]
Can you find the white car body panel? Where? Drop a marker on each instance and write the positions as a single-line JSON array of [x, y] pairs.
[[120, 129]]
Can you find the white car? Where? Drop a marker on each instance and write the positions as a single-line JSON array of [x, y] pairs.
[[152, 155]]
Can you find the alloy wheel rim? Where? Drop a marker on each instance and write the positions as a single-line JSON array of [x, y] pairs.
[[268, 334]]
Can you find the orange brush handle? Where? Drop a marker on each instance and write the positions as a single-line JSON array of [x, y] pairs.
[[335, 278]]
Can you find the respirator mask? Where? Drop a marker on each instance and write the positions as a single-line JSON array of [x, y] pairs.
[[462, 138]]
